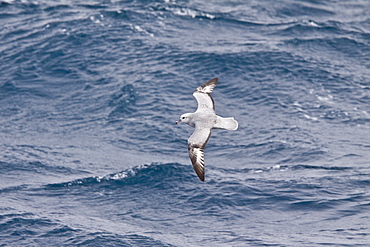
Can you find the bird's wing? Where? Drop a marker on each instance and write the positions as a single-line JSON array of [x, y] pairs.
[[203, 95], [196, 144]]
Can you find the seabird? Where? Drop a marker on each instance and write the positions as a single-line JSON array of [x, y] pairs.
[[203, 120]]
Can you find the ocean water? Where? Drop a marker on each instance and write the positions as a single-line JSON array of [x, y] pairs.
[[90, 154]]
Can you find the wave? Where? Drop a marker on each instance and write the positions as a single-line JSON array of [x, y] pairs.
[[147, 174], [290, 187], [162, 173]]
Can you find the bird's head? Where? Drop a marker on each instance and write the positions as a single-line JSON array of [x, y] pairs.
[[184, 118]]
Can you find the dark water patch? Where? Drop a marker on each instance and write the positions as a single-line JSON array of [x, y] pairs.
[[4, 4], [320, 167], [311, 205], [92, 6], [123, 102], [23, 226], [8, 89], [60, 232], [12, 189]]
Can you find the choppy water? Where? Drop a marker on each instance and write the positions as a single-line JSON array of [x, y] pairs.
[[90, 92]]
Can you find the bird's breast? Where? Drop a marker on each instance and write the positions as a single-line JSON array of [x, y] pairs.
[[205, 120]]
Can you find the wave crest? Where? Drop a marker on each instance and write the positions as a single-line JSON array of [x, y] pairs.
[[142, 174]]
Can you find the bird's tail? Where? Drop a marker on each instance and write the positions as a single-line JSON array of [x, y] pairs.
[[228, 123]]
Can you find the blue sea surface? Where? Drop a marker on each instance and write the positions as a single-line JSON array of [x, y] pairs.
[[90, 154]]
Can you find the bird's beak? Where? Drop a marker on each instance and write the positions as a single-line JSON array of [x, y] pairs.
[[178, 121]]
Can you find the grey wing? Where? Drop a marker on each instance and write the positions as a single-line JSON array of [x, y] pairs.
[[196, 144], [203, 95]]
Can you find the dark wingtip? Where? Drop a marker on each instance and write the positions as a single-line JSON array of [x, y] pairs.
[[214, 80], [201, 176]]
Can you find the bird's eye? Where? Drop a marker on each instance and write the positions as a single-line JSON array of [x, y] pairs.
[[183, 118]]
